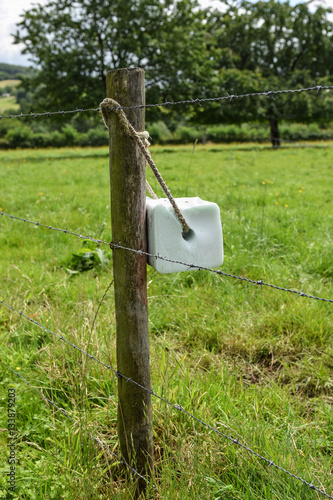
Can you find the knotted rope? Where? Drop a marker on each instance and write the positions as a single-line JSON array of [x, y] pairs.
[[144, 136], [111, 105]]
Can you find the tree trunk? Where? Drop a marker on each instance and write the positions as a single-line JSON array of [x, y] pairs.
[[275, 136]]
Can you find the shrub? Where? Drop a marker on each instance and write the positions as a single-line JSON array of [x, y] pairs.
[[183, 135], [40, 140], [159, 132], [303, 132], [71, 135], [19, 137], [4, 144], [57, 139], [98, 137]]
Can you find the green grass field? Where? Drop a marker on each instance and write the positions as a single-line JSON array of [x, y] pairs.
[[254, 362], [9, 83], [7, 103]]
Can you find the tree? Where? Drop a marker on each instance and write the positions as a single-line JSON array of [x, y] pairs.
[[186, 52], [271, 45], [75, 43]]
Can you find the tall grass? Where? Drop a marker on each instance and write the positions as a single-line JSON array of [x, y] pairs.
[[254, 362]]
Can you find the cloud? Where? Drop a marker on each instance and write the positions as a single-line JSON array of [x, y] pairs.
[[10, 11]]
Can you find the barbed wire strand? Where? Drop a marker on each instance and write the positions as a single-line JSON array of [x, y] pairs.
[[221, 273], [173, 405], [98, 441], [231, 97], [203, 100], [49, 113], [166, 259], [66, 231]]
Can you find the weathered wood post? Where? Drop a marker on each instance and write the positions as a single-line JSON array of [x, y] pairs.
[[128, 218]]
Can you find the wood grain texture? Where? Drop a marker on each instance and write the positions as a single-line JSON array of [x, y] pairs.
[[128, 217]]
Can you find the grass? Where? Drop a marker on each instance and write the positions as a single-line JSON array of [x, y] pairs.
[[254, 362], [9, 83], [7, 103]]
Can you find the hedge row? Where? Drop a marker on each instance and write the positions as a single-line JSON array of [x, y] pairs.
[[21, 135], [237, 133]]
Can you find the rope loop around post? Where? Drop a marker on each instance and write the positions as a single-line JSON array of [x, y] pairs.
[[111, 105]]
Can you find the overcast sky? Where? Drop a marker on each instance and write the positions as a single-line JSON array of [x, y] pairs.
[[10, 11]]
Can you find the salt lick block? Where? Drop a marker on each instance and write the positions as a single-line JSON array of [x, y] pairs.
[[201, 246]]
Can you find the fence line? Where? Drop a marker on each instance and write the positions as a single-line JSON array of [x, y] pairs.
[[227, 97], [115, 246], [98, 441], [166, 259], [151, 391]]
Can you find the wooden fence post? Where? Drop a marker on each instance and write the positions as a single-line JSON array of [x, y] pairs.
[[128, 218]]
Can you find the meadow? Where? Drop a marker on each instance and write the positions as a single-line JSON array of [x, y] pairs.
[[254, 362], [8, 103], [9, 83]]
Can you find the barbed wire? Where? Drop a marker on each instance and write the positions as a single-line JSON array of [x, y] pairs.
[[98, 441], [202, 100], [231, 97], [189, 266], [49, 113], [166, 259], [65, 231], [221, 273], [161, 398]]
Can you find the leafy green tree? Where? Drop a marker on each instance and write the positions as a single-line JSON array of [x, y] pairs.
[[75, 43], [271, 45]]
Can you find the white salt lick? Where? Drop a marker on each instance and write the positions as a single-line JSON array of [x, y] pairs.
[[201, 246]]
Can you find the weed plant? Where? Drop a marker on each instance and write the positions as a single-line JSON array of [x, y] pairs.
[[253, 362]]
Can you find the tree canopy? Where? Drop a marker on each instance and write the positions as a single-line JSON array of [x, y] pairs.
[[75, 43], [186, 52], [270, 45]]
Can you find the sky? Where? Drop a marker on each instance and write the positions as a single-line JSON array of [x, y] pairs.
[[10, 11]]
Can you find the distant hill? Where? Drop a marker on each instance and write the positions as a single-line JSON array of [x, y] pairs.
[[12, 72]]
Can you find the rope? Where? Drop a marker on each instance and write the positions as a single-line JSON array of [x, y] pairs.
[[151, 191], [144, 136], [111, 105]]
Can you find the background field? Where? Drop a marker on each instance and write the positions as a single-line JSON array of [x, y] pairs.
[[7, 103], [9, 83], [252, 361]]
